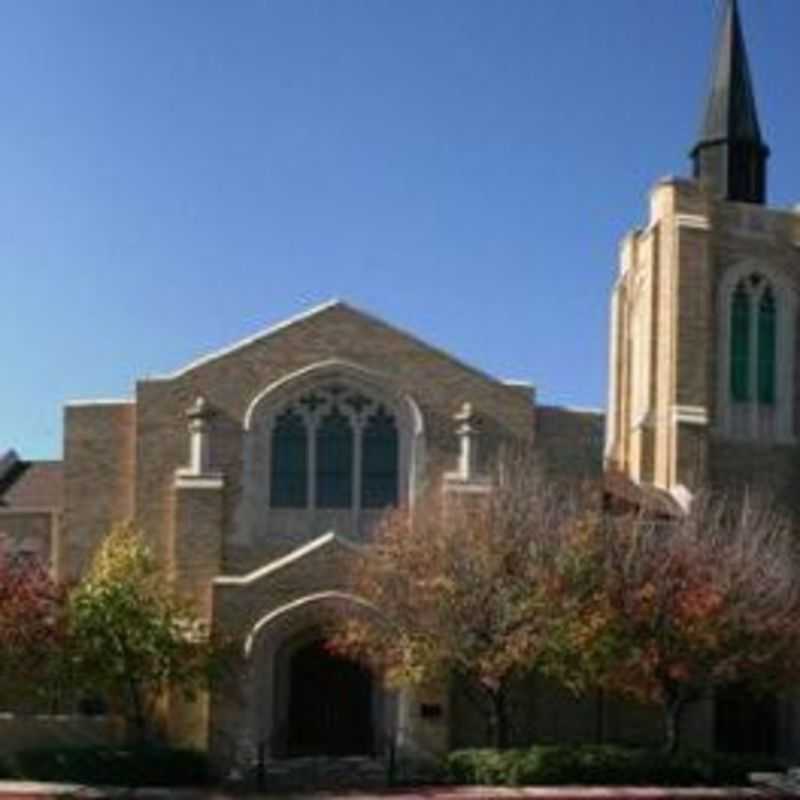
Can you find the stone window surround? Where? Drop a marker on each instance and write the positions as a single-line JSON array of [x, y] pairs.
[[271, 401], [786, 305]]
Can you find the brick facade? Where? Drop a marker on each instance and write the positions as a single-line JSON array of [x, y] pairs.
[[666, 413], [270, 575], [198, 486]]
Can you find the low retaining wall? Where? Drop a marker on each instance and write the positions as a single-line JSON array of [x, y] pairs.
[[24, 731]]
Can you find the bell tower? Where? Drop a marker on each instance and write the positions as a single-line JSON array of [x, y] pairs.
[[730, 156], [703, 388]]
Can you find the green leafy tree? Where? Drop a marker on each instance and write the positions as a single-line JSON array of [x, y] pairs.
[[132, 638], [667, 612], [464, 586]]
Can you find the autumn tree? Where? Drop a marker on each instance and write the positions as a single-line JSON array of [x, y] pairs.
[[464, 587], [132, 637], [32, 631], [666, 612]]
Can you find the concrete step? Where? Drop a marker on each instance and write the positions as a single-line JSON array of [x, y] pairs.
[[323, 772]]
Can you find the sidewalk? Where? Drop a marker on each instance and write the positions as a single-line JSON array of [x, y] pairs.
[[18, 790]]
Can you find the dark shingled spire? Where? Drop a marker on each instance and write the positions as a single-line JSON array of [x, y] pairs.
[[730, 156]]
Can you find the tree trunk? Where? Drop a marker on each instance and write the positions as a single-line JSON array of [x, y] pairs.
[[499, 727], [138, 712], [673, 711]]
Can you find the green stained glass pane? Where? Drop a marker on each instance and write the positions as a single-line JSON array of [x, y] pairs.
[[766, 348], [379, 462], [740, 346], [335, 462], [289, 470]]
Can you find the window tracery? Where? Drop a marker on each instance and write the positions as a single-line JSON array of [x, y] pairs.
[[334, 447]]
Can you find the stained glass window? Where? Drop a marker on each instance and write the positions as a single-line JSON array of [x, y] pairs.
[[740, 345], [379, 461], [334, 461], [289, 480], [766, 348]]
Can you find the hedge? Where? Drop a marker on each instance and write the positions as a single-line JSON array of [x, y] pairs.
[[601, 765], [112, 766]]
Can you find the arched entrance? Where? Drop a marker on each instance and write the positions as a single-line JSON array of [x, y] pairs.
[[294, 697], [330, 704]]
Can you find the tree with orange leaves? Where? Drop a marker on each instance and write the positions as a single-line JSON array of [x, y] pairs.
[[32, 632], [465, 586], [668, 612]]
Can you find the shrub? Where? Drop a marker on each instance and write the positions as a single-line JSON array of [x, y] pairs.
[[484, 767], [145, 766], [600, 765], [726, 769]]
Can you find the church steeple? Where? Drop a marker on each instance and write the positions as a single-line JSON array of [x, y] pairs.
[[730, 156]]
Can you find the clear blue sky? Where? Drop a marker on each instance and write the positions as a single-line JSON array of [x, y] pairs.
[[178, 174]]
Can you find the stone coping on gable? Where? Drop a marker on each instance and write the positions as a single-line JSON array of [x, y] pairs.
[[284, 561]]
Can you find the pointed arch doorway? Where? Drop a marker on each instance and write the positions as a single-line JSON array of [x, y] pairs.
[[330, 704], [297, 698]]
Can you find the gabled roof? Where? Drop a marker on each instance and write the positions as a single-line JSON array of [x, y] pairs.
[[272, 330], [318, 311], [26, 485], [327, 541]]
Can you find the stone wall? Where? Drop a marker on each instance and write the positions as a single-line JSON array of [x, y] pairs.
[[570, 441], [770, 471], [230, 382], [23, 731], [545, 713], [33, 532], [668, 398], [99, 458]]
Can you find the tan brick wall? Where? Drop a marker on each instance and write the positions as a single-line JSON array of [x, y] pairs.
[[98, 479], [438, 383], [196, 544], [121, 461], [771, 470], [545, 713], [24, 731], [30, 530], [237, 608], [570, 441], [689, 244]]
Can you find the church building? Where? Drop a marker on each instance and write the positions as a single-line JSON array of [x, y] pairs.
[[257, 471]]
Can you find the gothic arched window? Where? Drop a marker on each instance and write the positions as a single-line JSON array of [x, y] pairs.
[[334, 447], [334, 473], [756, 379], [379, 461], [289, 474], [753, 335]]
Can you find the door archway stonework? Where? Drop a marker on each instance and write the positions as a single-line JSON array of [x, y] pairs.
[[251, 721]]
